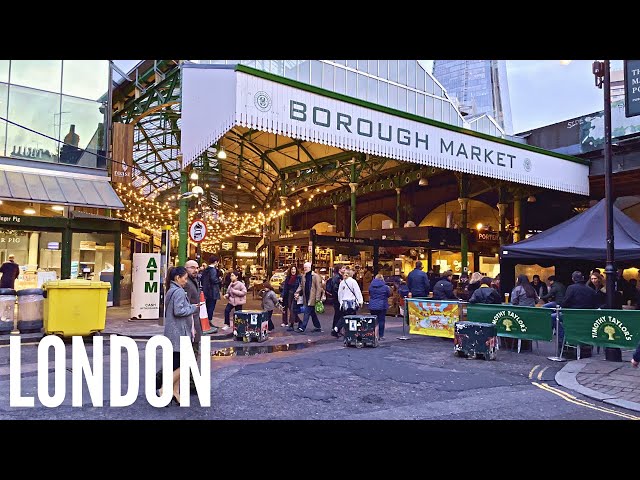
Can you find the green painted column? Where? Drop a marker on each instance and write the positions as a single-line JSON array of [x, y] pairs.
[[353, 185], [117, 252], [398, 191], [464, 231], [184, 219], [65, 256], [335, 217], [464, 241], [502, 211], [283, 203]]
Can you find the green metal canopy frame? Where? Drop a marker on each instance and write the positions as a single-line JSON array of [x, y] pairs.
[[265, 166]]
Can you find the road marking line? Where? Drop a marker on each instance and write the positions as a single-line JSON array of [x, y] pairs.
[[582, 403], [541, 372], [531, 372]]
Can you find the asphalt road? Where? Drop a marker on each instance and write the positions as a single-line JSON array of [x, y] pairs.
[[400, 380]]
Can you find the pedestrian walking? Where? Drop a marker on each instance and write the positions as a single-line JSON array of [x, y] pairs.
[[236, 296], [349, 296], [289, 287], [192, 287], [10, 271], [379, 293], [269, 301], [211, 282], [178, 320], [332, 292], [311, 291]]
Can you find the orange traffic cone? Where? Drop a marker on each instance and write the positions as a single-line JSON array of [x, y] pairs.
[[204, 318]]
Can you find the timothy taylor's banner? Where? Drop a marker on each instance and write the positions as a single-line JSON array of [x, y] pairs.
[[602, 328], [145, 296], [531, 323], [216, 99]]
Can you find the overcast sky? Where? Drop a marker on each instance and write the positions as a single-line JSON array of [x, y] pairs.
[[542, 91]]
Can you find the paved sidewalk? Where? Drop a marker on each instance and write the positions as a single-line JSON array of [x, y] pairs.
[[616, 383]]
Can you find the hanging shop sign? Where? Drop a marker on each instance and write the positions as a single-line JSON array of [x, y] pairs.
[[214, 100], [197, 231], [632, 87], [145, 295], [122, 164]]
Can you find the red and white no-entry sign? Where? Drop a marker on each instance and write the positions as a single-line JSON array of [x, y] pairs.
[[197, 231]]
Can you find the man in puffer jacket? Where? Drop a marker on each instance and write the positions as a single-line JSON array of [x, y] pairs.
[[484, 293], [379, 293], [443, 289]]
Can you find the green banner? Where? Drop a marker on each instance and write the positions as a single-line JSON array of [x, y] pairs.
[[531, 323], [602, 328]]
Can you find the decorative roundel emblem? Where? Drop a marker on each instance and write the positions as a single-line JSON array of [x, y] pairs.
[[262, 101], [527, 164]]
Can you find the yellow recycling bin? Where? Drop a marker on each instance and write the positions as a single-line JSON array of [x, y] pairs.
[[75, 307]]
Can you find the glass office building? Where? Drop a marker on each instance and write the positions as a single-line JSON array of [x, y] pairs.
[[480, 86], [53, 101]]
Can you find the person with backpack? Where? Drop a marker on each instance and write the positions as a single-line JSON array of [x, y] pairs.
[[379, 293], [349, 297], [210, 281], [332, 292]]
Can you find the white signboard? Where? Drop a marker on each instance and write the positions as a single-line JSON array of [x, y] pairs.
[[273, 107], [145, 295]]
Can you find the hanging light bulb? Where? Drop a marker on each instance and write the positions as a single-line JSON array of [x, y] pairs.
[[222, 155], [194, 175]]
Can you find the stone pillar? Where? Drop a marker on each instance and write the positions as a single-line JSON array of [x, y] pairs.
[[33, 248]]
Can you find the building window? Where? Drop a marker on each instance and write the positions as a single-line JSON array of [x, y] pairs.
[[42, 74], [39, 111], [85, 78]]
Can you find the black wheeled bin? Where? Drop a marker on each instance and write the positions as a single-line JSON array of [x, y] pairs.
[[473, 338], [250, 325], [361, 330]]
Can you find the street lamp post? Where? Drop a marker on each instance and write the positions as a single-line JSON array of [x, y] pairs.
[[602, 72]]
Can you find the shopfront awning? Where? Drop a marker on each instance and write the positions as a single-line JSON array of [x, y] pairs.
[[62, 189]]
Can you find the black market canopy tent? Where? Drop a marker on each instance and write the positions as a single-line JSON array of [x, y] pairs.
[[581, 238]]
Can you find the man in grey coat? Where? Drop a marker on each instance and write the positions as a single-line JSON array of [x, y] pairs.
[[193, 293]]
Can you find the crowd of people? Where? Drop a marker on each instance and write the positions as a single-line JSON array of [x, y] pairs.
[[302, 292]]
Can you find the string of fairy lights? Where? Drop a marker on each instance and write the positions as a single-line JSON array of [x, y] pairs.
[[222, 223]]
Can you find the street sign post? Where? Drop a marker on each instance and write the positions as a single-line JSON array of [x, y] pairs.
[[197, 231]]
